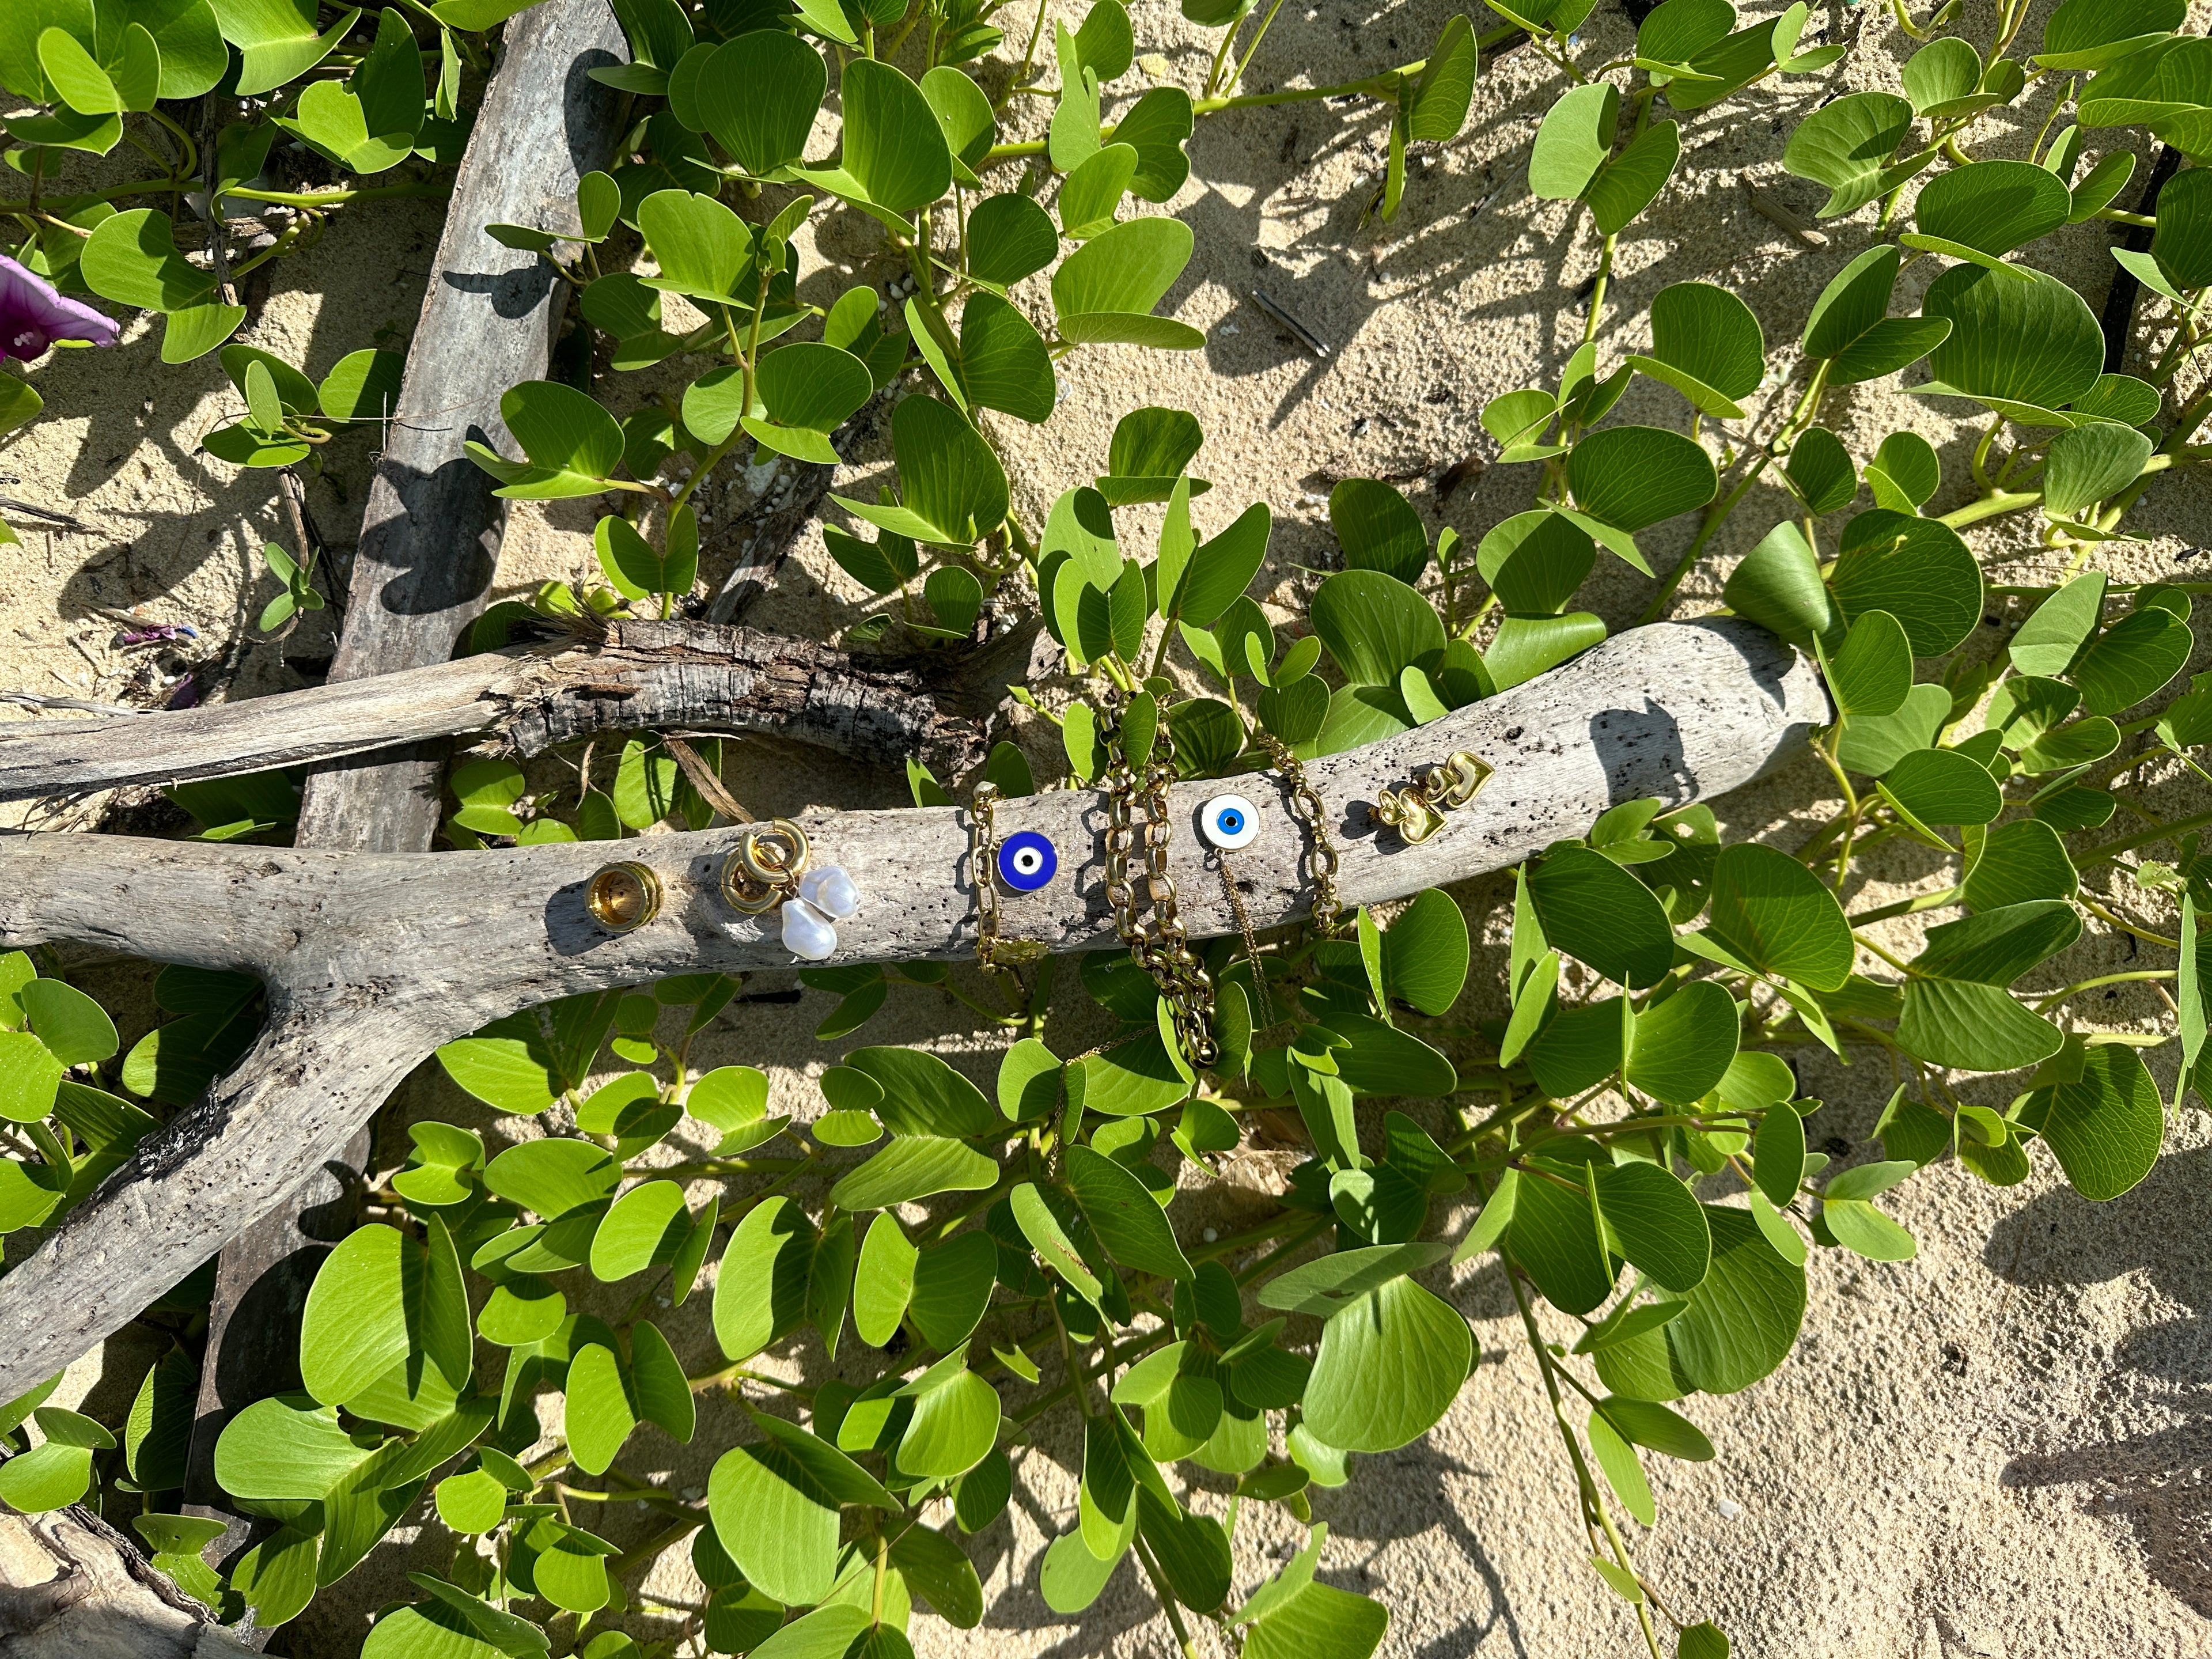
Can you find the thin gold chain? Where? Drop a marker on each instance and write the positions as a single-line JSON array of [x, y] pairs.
[[995, 956]]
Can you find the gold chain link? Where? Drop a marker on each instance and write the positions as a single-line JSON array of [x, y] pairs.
[[995, 956], [1158, 942], [1322, 862]]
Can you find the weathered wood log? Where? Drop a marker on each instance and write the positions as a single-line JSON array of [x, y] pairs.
[[665, 675], [71, 1587], [373, 961]]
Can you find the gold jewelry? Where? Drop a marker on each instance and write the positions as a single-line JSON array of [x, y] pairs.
[[996, 955], [765, 869], [622, 898], [1322, 862], [1159, 943], [1418, 811]]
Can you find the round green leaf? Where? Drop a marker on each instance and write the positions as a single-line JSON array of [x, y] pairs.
[[2021, 341], [760, 1289], [2107, 1125], [1632, 476], [644, 1229], [1917, 569], [1596, 912], [1374, 626], [2091, 462], [1425, 953], [131, 258], [893, 145], [471, 1503], [1122, 1211], [1707, 345], [74, 1028], [1744, 1316], [1657, 1223], [758, 94], [1390, 1366], [1941, 786], [1684, 1045], [1847, 145], [1009, 237], [598, 1415], [1873, 673], [1378, 530], [1973, 1028], [554, 1177], [914, 1167], [1129, 268], [1772, 913], [1991, 207]]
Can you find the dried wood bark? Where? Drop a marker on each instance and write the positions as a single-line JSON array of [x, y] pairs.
[[71, 1587], [373, 961], [665, 675]]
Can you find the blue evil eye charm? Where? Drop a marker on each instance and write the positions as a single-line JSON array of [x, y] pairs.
[[1026, 862], [1229, 823]]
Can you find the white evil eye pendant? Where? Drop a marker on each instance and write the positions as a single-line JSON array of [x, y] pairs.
[[1229, 823], [1027, 861]]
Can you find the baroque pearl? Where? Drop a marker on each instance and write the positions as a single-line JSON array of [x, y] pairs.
[[807, 933], [830, 891]]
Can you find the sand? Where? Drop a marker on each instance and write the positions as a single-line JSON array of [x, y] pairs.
[[1994, 1449]]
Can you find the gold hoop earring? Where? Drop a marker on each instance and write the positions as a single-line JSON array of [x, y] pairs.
[[622, 898]]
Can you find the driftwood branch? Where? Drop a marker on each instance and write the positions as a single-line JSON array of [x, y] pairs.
[[524, 701], [374, 961], [71, 1587]]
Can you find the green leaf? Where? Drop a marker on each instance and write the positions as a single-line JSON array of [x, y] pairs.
[[2055, 632], [285, 1447], [600, 1415], [1707, 345], [1743, 1318], [893, 146], [2133, 658], [952, 1288], [131, 258], [2094, 35], [1772, 912], [1632, 476], [2106, 1126], [572, 445], [1009, 237], [1684, 1045], [1123, 273], [1941, 786], [775, 1506], [1425, 953], [1596, 911], [277, 41], [1617, 1459], [1389, 1365], [914, 1167], [1848, 145], [1904, 472], [1123, 1213], [1973, 1028], [1819, 473], [1378, 530], [1092, 191], [760, 1290], [1778, 585], [1873, 673], [2021, 342], [758, 94], [963, 115], [74, 1028], [1656, 1221], [1374, 626], [1536, 560], [1553, 1236], [645, 1228], [1157, 126], [1989, 207], [2090, 463], [1917, 569], [954, 489], [1574, 141], [377, 1298]]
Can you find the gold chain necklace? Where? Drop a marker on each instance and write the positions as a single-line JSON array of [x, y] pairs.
[[1159, 943], [997, 957], [1320, 856]]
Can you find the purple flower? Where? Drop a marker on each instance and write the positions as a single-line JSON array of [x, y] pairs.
[[34, 315]]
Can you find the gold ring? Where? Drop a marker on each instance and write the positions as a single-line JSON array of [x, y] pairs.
[[785, 869], [624, 896]]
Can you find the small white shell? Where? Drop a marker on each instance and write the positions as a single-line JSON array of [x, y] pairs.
[[807, 933], [830, 891]]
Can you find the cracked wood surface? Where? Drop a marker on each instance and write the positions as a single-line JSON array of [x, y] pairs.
[[373, 961], [646, 675]]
